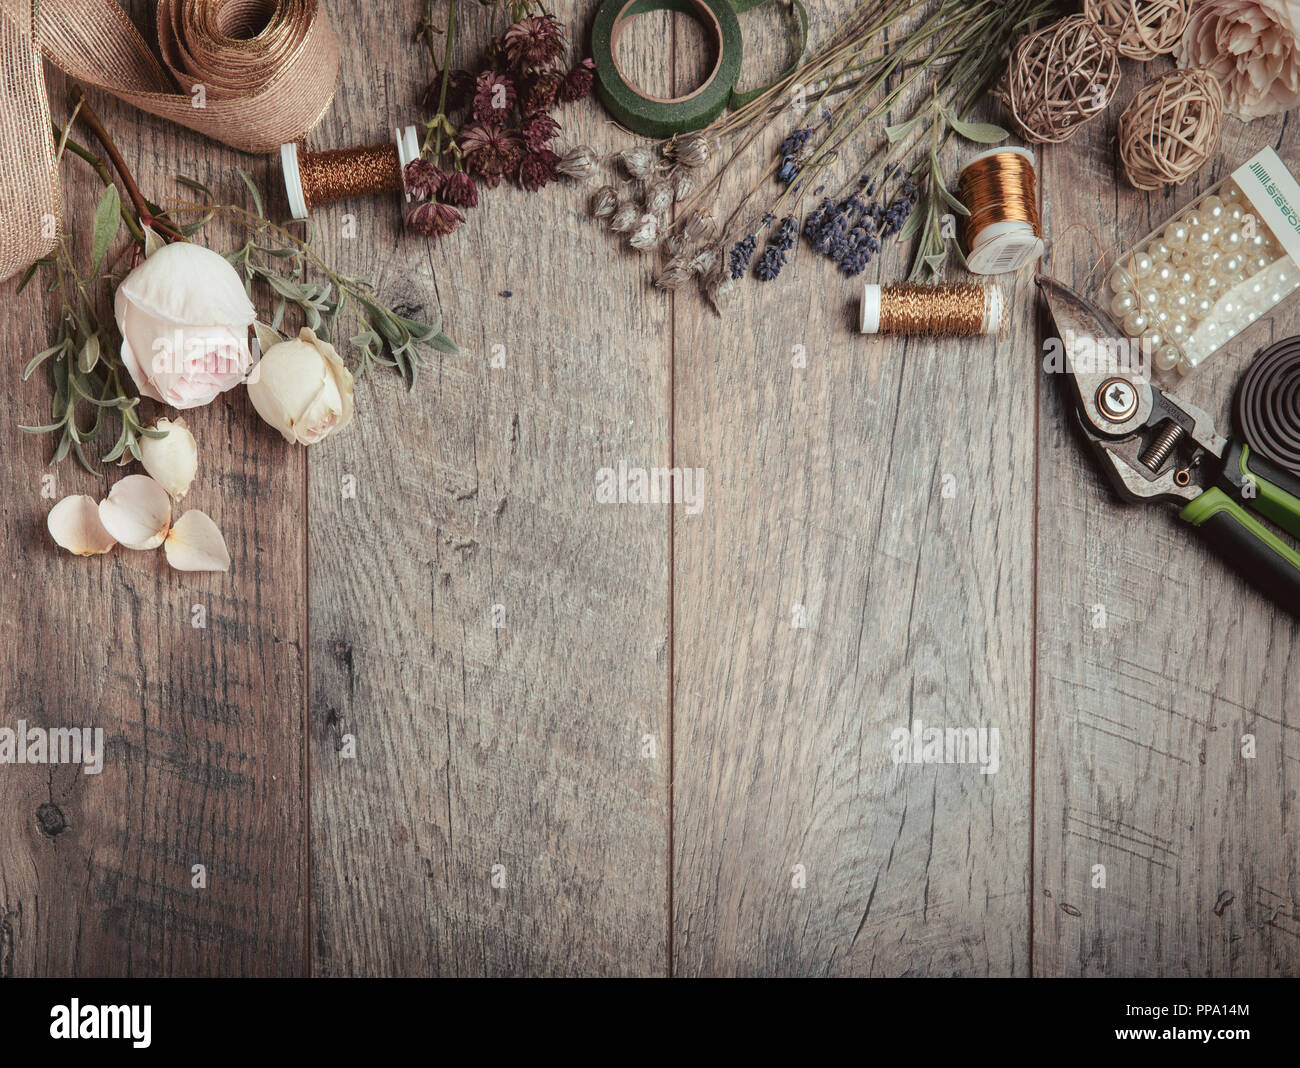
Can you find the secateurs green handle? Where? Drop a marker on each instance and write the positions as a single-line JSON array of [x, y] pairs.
[[1263, 558], [1155, 446]]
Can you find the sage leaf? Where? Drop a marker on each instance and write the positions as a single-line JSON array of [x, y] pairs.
[[108, 216]]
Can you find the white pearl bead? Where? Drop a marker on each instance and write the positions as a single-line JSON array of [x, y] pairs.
[[1166, 357], [1121, 281], [1164, 276], [1122, 304], [1176, 235], [1158, 250], [1231, 240], [1200, 238], [1136, 323], [1149, 296], [1154, 338]]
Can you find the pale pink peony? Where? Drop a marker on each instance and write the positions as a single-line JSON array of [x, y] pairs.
[[1251, 47]]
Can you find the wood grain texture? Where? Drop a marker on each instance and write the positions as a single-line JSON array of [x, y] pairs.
[[477, 746], [1140, 723], [204, 727], [647, 746], [826, 498]]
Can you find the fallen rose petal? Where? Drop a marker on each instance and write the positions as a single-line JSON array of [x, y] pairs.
[[174, 460], [137, 512], [195, 544], [74, 525]]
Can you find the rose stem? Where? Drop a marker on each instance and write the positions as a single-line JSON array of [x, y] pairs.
[[101, 169], [160, 222]]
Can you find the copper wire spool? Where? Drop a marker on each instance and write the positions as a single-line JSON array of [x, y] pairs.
[[909, 309], [315, 178], [1003, 231], [1268, 404]]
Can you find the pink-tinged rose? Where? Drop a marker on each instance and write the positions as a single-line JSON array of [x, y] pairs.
[[1251, 48], [184, 318]]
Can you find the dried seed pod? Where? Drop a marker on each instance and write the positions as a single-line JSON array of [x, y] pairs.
[[683, 185], [691, 150], [646, 235], [672, 244], [699, 227], [658, 197], [580, 163], [604, 202], [720, 288], [639, 162], [704, 260], [625, 218], [676, 273]]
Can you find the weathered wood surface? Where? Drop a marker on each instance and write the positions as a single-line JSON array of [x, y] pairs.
[[1140, 722], [827, 508], [478, 745], [921, 507], [204, 725]]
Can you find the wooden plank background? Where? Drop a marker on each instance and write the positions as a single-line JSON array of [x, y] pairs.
[[662, 771]]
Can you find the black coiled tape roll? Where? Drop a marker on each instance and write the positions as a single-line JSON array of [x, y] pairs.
[[1268, 405]]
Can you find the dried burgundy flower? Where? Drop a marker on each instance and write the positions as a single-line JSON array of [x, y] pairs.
[[423, 179], [539, 94], [460, 87], [459, 189], [538, 169], [491, 152], [433, 219], [539, 131], [578, 82], [494, 98], [534, 42]]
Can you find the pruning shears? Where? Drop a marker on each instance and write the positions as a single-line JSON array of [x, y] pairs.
[[1154, 446]]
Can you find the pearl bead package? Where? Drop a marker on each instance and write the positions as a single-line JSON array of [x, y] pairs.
[[1222, 262]]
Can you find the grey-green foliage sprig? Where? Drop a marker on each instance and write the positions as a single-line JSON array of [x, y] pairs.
[[91, 383], [297, 276]]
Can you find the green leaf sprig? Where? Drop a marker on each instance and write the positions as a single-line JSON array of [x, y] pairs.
[[289, 266]]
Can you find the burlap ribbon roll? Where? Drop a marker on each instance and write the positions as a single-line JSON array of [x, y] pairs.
[[254, 74]]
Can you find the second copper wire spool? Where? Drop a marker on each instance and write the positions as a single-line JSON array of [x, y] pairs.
[[1003, 231], [314, 178]]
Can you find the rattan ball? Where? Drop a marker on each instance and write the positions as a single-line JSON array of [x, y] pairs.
[[1171, 128], [1141, 29], [1059, 78]]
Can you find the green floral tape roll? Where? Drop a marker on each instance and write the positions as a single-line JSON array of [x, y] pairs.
[[657, 116]]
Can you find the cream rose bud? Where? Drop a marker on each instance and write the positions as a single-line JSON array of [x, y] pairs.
[[302, 389], [184, 318]]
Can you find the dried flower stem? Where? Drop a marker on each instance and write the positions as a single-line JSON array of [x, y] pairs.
[[160, 223]]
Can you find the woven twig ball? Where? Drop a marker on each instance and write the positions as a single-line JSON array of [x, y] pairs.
[[1059, 78], [1171, 128], [1141, 29]]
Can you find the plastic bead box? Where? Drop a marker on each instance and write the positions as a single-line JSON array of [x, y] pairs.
[[1225, 260]]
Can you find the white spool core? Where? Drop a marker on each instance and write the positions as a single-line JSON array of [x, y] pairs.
[[408, 149], [870, 308], [293, 180]]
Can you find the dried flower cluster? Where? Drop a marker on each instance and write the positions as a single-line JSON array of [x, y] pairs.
[[888, 182], [651, 182], [495, 124]]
